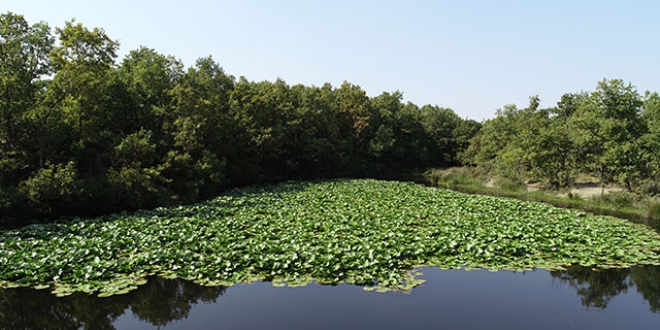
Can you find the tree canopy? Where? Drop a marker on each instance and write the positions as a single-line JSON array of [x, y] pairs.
[[610, 133], [82, 132]]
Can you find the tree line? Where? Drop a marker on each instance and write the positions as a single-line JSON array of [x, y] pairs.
[[612, 134], [82, 133]]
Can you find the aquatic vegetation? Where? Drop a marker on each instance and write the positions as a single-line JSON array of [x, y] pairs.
[[363, 232]]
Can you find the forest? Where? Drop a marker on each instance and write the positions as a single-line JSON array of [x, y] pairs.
[[612, 134], [85, 133]]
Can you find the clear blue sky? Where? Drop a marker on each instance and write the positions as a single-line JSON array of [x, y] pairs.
[[471, 56]]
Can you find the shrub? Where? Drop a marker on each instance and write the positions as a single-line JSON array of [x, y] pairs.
[[651, 188], [511, 184], [52, 187], [453, 178], [653, 210], [617, 200], [574, 196]]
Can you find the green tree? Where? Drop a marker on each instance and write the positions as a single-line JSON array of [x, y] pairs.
[[82, 60], [355, 115], [650, 141], [463, 133], [494, 136], [24, 61], [545, 145], [136, 180], [608, 127], [386, 107], [439, 125], [264, 113], [149, 78], [317, 139], [52, 188], [200, 102], [24, 51]]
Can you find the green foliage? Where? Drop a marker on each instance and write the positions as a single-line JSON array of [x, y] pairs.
[[52, 185], [510, 184], [619, 200], [608, 126], [469, 180], [653, 208], [136, 187], [363, 232], [574, 196], [136, 149], [465, 130], [651, 188], [452, 178], [439, 125], [145, 128], [604, 133]]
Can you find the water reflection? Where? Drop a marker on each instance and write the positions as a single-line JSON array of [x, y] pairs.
[[162, 302], [158, 302], [597, 287], [647, 282]]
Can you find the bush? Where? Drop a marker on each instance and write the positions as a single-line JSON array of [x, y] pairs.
[[51, 188], [618, 200], [452, 178], [13, 207], [651, 188], [510, 184], [573, 196], [135, 188], [653, 210]]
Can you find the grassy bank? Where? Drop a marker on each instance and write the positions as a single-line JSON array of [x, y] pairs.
[[364, 232], [617, 205]]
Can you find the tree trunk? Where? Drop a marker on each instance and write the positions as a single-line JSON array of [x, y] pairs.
[[628, 185]]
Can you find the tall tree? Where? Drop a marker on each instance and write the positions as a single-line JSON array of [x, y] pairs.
[[149, 78], [82, 60], [386, 108], [650, 141], [200, 102], [355, 110], [24, 60], [608, 127], [439, 125]]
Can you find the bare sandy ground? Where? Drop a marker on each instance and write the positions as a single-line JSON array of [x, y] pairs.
[[585, 187], [586, 192]]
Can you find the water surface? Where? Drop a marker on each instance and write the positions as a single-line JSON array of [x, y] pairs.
[[579, 298]]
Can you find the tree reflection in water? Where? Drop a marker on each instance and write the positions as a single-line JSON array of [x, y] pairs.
[[597, 287], [162, 301], [647, 281], [158, 302]]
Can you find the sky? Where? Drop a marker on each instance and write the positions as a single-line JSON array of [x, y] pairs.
[[471, 56]]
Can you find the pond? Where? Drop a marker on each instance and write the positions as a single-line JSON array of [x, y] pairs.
[[577, 298]]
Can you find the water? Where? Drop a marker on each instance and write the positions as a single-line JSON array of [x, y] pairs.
[[579, 298]]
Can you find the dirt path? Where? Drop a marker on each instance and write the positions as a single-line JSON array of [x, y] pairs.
[[583, 189], [589, 189]]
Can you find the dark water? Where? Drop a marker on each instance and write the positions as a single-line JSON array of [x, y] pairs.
[[575, 299]]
